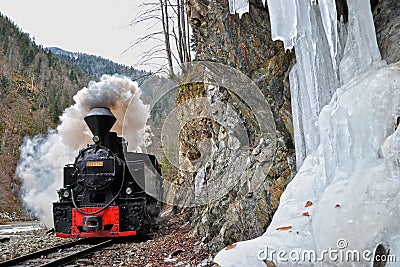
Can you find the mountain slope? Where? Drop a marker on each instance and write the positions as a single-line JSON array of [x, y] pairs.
[[35, 87], [96, 66], [151, 85]]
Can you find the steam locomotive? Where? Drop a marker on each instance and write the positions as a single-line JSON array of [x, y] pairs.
[[107, 191]]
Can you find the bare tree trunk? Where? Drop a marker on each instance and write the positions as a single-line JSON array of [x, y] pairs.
[[165, 23], [188, 33], [179, 37], [183, 35]]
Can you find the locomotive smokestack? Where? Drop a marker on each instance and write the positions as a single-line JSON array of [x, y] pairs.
[[100, 122]]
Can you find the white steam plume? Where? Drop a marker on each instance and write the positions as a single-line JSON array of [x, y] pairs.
[[43, 157]]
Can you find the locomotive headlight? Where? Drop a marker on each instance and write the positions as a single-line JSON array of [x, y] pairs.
[[96, 139], [66, 194], [128, 191]]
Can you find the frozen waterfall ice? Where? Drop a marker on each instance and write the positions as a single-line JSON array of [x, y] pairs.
[[345, 196], [315, 76], [352, 182], [324, 61], [362, 50]]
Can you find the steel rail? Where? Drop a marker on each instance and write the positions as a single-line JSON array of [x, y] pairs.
[[77, 255], [38, 254]]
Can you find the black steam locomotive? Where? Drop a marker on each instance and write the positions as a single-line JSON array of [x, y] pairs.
[[107, 192]]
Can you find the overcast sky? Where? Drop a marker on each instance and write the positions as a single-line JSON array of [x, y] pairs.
[[96, 27]]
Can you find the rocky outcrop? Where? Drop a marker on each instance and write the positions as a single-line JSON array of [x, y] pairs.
[[244, 44], [387, 25]]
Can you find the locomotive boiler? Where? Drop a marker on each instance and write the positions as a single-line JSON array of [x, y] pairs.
[[107, 191]]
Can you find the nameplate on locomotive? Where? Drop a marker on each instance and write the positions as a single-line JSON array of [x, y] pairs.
[[94, 164]]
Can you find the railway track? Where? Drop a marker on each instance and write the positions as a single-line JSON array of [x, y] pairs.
[[59, 255]]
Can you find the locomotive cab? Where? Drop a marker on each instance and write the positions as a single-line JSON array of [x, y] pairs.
[[101, 197]]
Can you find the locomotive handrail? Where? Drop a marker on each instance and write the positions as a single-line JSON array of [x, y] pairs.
[[108, 204]]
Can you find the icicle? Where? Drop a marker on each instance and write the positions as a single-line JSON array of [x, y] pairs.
[[316, 77], [329, 15], [283, 16], [361, 50], [238, 6]]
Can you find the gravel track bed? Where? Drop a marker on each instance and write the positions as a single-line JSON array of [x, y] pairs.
[[28, 242], [173, 243]]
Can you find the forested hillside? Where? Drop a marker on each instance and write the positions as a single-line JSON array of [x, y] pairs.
[[152, 85], [96, 66], [35, 87]]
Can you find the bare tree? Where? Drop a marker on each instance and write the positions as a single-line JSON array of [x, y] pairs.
[[165, 24], [169, 32]]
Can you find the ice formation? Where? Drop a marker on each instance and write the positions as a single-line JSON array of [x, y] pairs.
[[344, 200], [238, 6], [315, 76], [352, 181]]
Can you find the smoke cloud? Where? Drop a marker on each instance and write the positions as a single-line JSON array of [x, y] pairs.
[[43, 157]]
